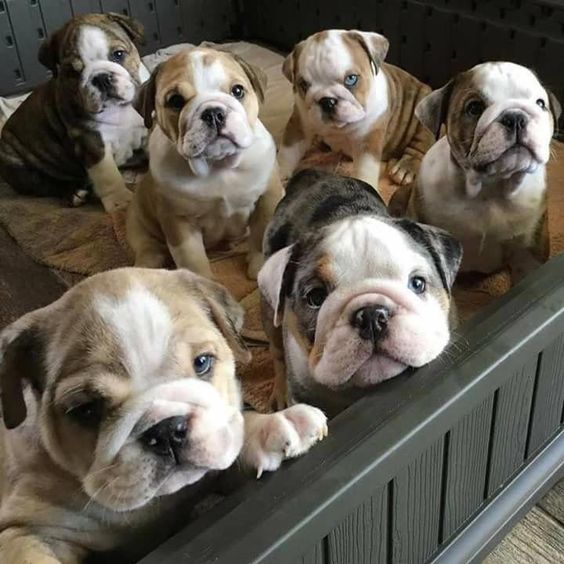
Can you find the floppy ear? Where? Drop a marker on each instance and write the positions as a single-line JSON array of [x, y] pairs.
[[49, 50], [133, 28], [375, 45], [21, 362], [433, 109], [555, 107], [226, 313], [144, 101], [255, 75], [289, 66], [445, 250]]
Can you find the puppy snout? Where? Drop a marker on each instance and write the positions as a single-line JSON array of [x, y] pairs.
[[103, 82], [371, 322], [167, 438], [514, 121], [214, 117], [328, 105]]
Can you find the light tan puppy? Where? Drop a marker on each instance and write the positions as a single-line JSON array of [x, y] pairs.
[[213, 166], [114, 398], [348, 97]]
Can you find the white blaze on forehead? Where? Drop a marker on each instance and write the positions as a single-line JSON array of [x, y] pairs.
[[143, 326], [367, 247], [327, 60], [206, 77], [92, 44]]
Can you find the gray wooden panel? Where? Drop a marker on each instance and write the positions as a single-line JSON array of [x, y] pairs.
[[549, 396], [171, 25], [85, 6], [466, 467], [510, 425], [411, 49], [361, 537], [11, 72], [204, 20], [55, 14], [118, 6], [146, 13], [416, 507], [315, 555]]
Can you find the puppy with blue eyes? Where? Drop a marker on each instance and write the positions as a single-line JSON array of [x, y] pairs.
[[351, 297], [355, 103]]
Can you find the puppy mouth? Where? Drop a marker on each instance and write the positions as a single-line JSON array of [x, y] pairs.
[[519, 157]]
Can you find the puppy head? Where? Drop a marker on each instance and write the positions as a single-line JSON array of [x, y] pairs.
[[94, 59], [333, 74], [206, 102], [129, 382], [499, 118], [363, 298]]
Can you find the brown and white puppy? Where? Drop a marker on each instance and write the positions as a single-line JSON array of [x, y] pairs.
[[485, 180], [212, 170], [114, 398], [351, 296], [346, 95], [71, 133]]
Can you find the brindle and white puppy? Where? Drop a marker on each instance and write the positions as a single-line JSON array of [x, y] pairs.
[[485, 180], [212, 171], [346, 95], [71, 134], [351, 296], [114, 398]]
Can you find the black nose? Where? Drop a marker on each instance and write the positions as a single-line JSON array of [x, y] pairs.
[[371, 321], [102, 82], [328, 104], [513, 121], [214, 117], [167, 437]]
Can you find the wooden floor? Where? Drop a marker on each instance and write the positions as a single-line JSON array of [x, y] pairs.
[[539, 537]]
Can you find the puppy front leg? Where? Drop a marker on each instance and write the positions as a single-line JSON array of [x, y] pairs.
[[295, 143], [108, 184], [273, 437], [260, 218], [367, 161]]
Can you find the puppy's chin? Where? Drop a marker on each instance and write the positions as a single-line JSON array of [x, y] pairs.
[[204, 165]]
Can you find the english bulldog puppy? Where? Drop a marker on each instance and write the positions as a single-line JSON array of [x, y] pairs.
[[71, 133], [485, 180], [351, 296], [116, 397], [348, 97], [212, 171]]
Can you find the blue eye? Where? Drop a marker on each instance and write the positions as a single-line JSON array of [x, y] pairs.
[[351, 80], [203, 364], [417, 284]]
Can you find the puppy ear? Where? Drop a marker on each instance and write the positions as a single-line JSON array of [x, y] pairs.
[[432, 111], [21, 362], [555, 107], [290, 64], [445, 250], [49, 50], [144, 101], [227, 314], [133, 28], [256, 75], [375, 45]]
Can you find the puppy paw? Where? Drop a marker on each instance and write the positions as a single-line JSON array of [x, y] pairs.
[[272, 438], [255, 262], [117, 201], [79, 198], [404, 170]]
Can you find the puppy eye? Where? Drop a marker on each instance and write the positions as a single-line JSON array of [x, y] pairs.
[[87, 414], [541, 104], [475, 108], [118, 56], [203, 363], [238, 91], [175, 102], [417, 284], [351, 80], [315, 297], [303, 85]]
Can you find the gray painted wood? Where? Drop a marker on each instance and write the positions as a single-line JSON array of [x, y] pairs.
[[549, 396], [510, 426], [361, 537], [315, 555], [416, 507], [11, 72], [55, 13], [118, 6], [85, 6], [170, 21], [466, 467], [146, 13]]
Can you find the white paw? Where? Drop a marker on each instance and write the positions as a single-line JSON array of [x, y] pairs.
[[272, 438], [117, 201]]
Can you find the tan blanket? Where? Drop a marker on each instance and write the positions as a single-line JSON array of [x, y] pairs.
[[83, 241]]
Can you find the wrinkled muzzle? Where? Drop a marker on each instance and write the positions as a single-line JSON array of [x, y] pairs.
[[334, 106]]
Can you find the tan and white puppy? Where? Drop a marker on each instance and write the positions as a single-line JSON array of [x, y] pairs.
[[348, 97], [485, 180], [114, 398], [213, 169], [71, 133], [351, 296]]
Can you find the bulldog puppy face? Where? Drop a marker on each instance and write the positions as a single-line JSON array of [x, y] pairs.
[[333, 73], [499, 119], [364, 298], [206, 102], [130, 382], [95, 59]]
